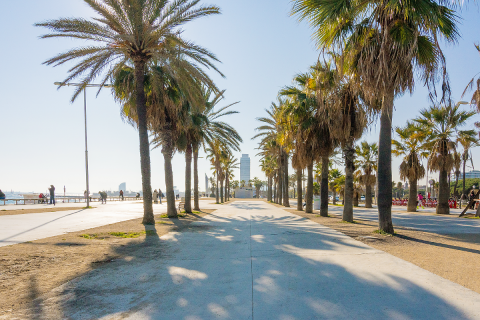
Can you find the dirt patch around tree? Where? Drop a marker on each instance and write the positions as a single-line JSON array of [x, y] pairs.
[[29, 270], [455, 257], [39, 210]]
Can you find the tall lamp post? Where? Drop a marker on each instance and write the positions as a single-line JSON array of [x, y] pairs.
[[61, 84]]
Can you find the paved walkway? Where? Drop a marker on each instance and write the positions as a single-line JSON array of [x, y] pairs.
[[251, 260], [33, 226], [448, 224]]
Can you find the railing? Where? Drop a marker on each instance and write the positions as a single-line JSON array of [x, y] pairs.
[[65, 199]]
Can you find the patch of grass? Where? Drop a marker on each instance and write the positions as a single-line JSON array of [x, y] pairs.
[[89, 207], [128, 234], [472, 217], [89, 236], [383, 233], [329, 216], [151, 232], [4, 210], [179, 215], [163, 222], [193, 211]]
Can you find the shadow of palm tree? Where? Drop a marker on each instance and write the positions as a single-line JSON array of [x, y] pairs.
[[262, 266]]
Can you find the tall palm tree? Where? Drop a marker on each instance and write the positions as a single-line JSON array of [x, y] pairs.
[[230, 163], [388, 45], [367, 162], [410, 147], [134, 33], [440, 126], [467, 141], [167, 106], [268, 165], [205, 126]]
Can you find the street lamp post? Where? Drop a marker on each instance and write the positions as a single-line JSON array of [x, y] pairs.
[[61, 84]]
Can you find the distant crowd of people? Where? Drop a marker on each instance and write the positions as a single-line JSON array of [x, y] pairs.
[[432, 202]]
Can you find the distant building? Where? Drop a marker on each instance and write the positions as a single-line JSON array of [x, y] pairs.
[[474, 174], [244, 193], [245, 168], [122, 186]]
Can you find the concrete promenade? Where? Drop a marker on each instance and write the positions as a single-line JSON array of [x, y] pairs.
[[252, 260], [33, 226], [441, 224]]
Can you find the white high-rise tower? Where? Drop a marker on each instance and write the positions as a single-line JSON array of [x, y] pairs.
[[245, 168]]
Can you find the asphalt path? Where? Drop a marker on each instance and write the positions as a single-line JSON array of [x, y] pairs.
[[252, 260]]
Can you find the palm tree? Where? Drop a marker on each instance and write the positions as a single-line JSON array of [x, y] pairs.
[[167, 120], [276, 142], [257, 183], [205, 126], [230, 163], [268, 165], [476, 93], [457, 163], [410, 147], [213, 183], [134, 33], [367, 162], [468, 141], [439, 126], [388, 45], [333, 175]]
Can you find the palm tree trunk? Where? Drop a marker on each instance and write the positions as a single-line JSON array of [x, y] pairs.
[[280, 185], [188, 179], [167, 151], [269, 189], [227, 193], [286, 200], [221, 190], [348, 195], [309, 193], [412, 196], [148, 217], [368, 195], [196, 201], [443, 193], [324, 188], [384, 171], [299, 192], [334, 197], [216, 189], [463, 181]]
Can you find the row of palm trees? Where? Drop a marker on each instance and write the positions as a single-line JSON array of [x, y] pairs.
[[435, 136], [374, 50], [159, 79]]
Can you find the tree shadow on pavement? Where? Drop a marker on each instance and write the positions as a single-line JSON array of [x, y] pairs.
[[255, 266]]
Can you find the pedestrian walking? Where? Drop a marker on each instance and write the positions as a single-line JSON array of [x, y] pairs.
[[121, 194], [471, 197], [155, 196], [52, 194], [103, 197], [420, 200]]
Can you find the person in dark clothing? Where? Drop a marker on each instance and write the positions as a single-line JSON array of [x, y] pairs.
[[103, 196], [121, 194], [2, 195], [52, 194]]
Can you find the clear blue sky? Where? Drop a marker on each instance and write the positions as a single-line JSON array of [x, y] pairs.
[[261, 48]]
